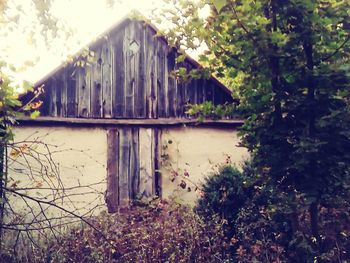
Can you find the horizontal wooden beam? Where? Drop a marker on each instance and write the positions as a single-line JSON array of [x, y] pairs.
[[126, 122]]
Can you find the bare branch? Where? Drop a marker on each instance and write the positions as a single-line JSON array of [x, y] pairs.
[[62, 209]]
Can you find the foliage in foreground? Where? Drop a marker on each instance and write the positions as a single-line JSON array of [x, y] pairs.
[[265, 225], [289, 64], [161, 233], [224, 194]]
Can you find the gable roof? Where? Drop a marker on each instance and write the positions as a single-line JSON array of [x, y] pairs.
[[117, 26]]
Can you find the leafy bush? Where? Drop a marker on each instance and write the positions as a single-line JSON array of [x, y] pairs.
[[207, 110], [266, 224], [223, 194], [161, 233], [272, 228]]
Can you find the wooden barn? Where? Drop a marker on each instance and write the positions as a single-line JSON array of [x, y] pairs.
[[122, 116]]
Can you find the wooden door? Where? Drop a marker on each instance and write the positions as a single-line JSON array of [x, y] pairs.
[[131, 165]]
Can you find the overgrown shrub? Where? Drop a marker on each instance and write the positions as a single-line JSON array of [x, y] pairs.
[[223, 194], [161, 233], [267, 224], [272, 228]]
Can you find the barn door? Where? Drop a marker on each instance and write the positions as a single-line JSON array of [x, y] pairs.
[[131, 165]]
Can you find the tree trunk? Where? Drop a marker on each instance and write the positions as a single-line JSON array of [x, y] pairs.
[[2, 186], [311, 130], [275, 68]]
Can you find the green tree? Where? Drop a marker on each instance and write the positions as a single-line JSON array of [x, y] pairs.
[[288, 61]]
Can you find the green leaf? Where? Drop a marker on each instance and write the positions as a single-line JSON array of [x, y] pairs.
[[181, 58], [34, 114]]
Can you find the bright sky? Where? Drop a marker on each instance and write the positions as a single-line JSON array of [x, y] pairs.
[[86, 18]]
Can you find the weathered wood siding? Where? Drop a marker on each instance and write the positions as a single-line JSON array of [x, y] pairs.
[[131, 77], [131, 165]]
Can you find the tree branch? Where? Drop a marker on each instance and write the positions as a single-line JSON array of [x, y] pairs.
[[62, 209], [335, 52]]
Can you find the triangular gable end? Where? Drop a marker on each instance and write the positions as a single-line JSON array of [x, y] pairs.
[[130, 77]]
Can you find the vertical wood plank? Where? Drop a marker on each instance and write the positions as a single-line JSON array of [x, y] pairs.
[[148, 55], [124, 167], [161, 79], [118, 74], [64, 92], [149, 59], [96, 87], [131, 70], [181, 99], [208, 91], [106, 78], [190, 88], [52, 97], [195, 90], [72, 102], [157, 182], [134, 183], [166, 80], [193, 93], [140, 71], [187, 96], [112, 193], [154, 77], [200, 91], [181, 91], [59, 88], [172, 87], [83, 83], [147, 162]]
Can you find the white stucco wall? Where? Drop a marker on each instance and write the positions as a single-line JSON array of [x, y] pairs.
[[193, 153], [75, 159], [79, 156], [60, 157]]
